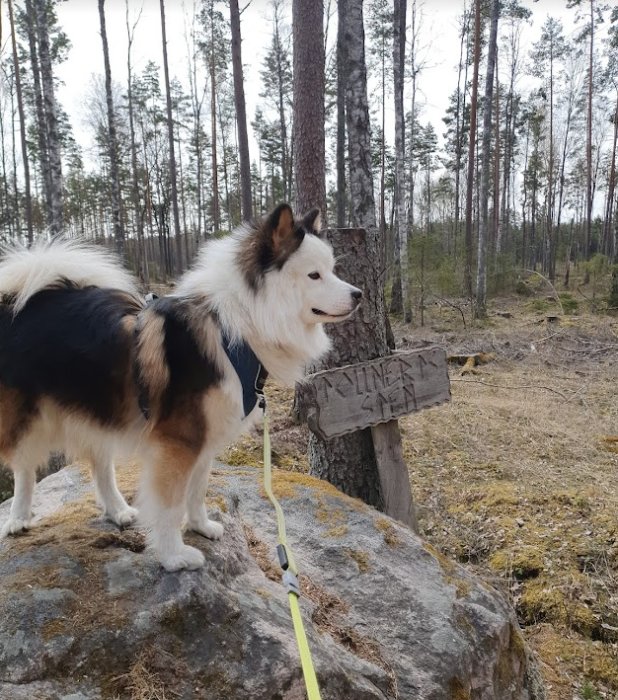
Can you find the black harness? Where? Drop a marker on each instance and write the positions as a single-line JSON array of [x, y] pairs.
[[250, 371]]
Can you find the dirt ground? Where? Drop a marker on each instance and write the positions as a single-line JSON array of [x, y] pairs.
[[517, 478]]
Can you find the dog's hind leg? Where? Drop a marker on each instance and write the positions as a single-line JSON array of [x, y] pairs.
[[163, 502], [198, 520], [21, 507], [115, 508]]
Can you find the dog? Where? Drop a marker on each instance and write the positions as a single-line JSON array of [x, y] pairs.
[[88, 367]]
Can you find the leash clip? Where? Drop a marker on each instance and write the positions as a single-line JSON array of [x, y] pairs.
[[290, 581]]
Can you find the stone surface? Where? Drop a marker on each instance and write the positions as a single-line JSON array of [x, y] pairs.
[[86, 614]]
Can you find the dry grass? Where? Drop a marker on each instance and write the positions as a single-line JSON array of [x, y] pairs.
[[516, 478]]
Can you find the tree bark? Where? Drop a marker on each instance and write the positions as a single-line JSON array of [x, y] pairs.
[[22, 127], [399, 53], [172, 151], [481, 274], [363, 212], [309, 144], [119, 236], [142, 265], [589, 137], [50, 111], [349, 461], [471, 147], [246, 201], [216, 211], [608, 237], [341, 131]]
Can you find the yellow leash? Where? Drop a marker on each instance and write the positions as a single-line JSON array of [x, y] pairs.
[[290, 572]]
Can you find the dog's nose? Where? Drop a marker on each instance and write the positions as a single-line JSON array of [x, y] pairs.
[[356, 294]]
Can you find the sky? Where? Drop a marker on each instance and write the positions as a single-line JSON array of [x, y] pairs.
[[80, 20]]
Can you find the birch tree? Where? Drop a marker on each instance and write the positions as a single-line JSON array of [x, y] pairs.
[[399, 56]]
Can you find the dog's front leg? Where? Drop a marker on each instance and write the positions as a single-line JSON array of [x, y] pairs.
[[163, 503], [21, 507], [198, 519]]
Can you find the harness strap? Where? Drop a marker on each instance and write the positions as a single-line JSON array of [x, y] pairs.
[[249, 369]]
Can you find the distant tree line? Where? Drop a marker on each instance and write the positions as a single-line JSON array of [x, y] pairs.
[[525, 178]]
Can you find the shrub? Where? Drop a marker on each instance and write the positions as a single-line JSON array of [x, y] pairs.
[[569, 305]]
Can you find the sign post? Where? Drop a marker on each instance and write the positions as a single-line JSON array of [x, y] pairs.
[[374, 394]]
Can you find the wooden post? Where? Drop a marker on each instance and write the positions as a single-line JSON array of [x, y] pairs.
[[394, 477]]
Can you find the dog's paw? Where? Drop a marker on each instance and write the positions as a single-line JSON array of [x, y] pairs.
[[208, 528], [123, 517], [185, 558], [14, 526]]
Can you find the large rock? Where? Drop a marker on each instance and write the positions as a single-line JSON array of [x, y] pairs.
[[85, 613]]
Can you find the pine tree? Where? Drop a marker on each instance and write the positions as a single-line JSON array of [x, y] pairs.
[[481, 277], [119, 235], [309, 146], [241, 114]]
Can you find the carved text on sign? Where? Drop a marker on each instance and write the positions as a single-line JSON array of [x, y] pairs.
[[357, 396]]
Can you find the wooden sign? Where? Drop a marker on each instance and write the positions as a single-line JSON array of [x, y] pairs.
[[353, 397]]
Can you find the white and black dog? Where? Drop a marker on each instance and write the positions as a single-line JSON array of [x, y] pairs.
[[87, 367]]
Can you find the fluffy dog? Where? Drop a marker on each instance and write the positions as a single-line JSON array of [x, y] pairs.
[[87, 367]]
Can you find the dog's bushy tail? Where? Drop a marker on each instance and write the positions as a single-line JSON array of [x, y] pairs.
[[26, 271]]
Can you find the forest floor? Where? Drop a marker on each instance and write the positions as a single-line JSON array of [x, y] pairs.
[[517, 478]]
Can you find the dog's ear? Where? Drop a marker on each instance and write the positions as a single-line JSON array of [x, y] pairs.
[[312, 221], [280, 227]]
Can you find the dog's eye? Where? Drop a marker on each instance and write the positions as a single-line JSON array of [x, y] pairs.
[[314, 275]]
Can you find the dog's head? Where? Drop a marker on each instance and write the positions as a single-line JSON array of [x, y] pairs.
[[293, 252]]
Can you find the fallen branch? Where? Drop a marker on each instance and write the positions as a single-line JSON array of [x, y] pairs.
[[504, 386]]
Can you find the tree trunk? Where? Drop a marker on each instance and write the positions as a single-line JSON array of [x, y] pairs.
[[550, 170], [309, 145], [113, 141], [471, 146], [22, 126], [399, 53], [589, 138], [458, 135], [142, 265], [241, 115], [286, 172], [363, 212], [341, 169], [609, 211], [41, 130], [170, 136], [51, 119], [481, 274], [349, 462], [216, 212]]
